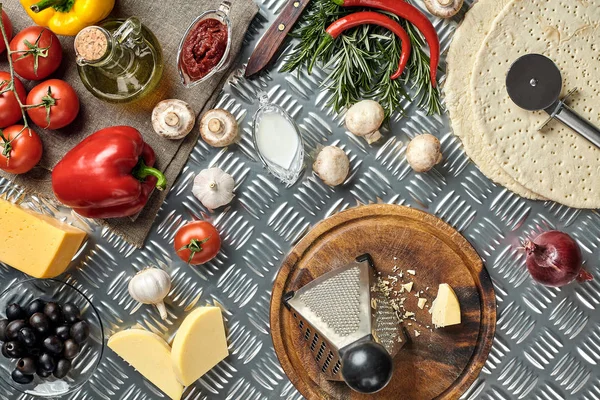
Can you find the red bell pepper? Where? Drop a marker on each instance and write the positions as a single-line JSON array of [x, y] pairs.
[[108, 175]]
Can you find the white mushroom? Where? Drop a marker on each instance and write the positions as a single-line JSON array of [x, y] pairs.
[[173, 119], [444, 8], [219, 128], [332, 165], [364, 119], [423, 152], [213, 187]]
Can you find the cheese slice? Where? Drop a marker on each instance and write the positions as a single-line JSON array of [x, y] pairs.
[[199, 345], [36, 244], [445, 309], [150, 355]]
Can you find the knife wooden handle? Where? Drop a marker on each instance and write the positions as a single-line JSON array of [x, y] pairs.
[[274, 37]]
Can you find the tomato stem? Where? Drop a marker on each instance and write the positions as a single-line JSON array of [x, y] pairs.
[[194, 246], [12, 71]]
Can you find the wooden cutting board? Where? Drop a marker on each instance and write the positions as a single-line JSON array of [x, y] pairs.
[[437, 364]]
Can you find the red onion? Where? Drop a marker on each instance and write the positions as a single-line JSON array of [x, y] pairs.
[[554, 259]]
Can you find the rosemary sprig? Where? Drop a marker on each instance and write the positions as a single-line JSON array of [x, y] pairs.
[[360, 62]]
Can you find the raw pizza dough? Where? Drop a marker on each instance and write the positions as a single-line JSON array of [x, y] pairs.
[[461, 57], [557, 163]]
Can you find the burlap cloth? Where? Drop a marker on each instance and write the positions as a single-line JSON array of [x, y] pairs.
[[168, 20]]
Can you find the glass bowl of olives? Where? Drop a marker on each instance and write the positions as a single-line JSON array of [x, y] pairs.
[[51, 336]]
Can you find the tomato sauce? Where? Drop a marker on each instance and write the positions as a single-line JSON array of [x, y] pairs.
[[204, 48]]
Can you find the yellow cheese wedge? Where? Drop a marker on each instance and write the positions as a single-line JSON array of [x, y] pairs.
[[199, 345], [445, 309], [150, 355], [36, 244]]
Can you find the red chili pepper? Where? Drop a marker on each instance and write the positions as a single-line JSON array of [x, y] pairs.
[[108, 175], [370, 17], [411, 14]]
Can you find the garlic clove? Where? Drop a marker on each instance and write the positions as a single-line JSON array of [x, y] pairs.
[[151, 286], [214, 188]]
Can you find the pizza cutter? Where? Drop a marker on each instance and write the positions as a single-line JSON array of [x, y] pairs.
[[534, 83]]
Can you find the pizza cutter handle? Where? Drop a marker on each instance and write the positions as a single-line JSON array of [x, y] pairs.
[[579, 124]]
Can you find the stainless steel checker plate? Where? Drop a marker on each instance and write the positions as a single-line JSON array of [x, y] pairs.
[[547, 344]]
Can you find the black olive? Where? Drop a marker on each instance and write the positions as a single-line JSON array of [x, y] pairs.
[[71, 349], [13, 349], [35, 306], [63, 367], [21, 378], [53, 344], [27, 336], [46, 362], [54, 312], [80, 331], [63, 332], [14, 311], [71, 313], [13, 328], [27, 365], [34, 351], [43, 373], [40, 323], [3, 325]]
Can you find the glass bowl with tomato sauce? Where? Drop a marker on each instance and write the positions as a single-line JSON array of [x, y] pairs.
[[205, 47]]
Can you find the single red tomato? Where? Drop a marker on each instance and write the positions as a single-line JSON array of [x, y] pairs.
[[197, 242], [20, 149], [58, 104], [36, 43], [8, 28], [10, 111]]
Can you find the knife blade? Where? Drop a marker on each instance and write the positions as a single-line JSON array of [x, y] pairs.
[[274, 37]]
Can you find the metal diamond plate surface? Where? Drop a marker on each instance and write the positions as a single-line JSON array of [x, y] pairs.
[[547, 345]]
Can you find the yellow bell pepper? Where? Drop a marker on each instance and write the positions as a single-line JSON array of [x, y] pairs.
[[67, 17]]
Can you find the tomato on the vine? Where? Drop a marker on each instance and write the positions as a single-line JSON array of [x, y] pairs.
[[10, 111], [9, 31], [38, 53], [58, 104], [197, 242], [20, 149]]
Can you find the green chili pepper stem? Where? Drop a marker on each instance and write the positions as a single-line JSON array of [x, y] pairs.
[[338, 2], [142, 171], [326, 40], [43, 4]]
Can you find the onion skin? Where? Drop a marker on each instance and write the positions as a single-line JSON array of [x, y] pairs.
[[554, 259]]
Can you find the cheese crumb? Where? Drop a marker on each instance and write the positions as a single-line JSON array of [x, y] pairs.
[[421, 303], [411, 271], [407, 286], [417, 333]]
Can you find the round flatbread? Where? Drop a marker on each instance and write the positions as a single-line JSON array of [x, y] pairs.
[[557, 163], [461, 57]]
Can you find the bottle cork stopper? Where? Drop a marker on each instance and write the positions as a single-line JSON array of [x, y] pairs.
[[91, 44]]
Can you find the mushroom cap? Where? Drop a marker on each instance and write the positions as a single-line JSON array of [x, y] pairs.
[[444, 8], [364, 117], [332, 165], [424, 152], [173, 119], [219, 128]]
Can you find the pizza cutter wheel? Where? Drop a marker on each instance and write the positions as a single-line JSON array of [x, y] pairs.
[[534, 83]]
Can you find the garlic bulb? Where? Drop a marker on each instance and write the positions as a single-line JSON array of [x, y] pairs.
[[213, 187], [151, 286]]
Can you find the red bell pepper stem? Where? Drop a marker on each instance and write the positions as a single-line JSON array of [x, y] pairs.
[[142, 171], [369, 17], [411, 14]]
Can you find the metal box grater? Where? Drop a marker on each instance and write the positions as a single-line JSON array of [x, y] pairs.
[[343, 310]]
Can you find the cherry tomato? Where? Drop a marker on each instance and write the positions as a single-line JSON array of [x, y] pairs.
[[20, 150], [10, 112], [197, 242], [9, 31], [59, 104], [34, 43]]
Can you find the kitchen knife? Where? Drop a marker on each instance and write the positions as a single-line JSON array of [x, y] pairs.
[[275, 35]]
